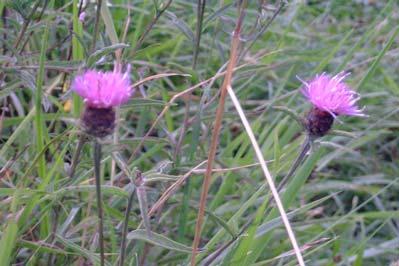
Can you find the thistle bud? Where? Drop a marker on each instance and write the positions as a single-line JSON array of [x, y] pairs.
[[318, 122], [98, 122]]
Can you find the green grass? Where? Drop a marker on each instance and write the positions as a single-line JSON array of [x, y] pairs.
[[342, 201]]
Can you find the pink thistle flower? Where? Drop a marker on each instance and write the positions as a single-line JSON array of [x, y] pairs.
[[332, 95], [103, 89]]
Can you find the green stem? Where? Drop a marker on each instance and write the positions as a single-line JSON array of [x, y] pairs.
[[125, 228], [97, 166], [304, 149]]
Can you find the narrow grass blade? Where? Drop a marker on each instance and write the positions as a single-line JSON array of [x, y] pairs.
[[158, 240]]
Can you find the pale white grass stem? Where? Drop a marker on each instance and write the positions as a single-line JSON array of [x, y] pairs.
[[267, 174]]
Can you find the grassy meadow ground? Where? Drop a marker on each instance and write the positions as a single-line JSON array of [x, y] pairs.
[[343, 200]]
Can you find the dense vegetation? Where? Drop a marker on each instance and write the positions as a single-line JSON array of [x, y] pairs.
[[342, 200]]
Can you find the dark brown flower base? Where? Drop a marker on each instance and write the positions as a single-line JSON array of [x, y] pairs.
[[318, 122], [98, 122]]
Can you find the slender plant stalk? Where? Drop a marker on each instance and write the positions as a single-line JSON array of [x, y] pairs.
[[268, 177], [75, 158], [216, 131], [96, 25], [150, 26], [125, 228], [97, 166], [302, 155], [200, 17]]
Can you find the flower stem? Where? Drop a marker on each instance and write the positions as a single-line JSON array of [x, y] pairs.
[[125, 228], [304, 149], [97, 165]]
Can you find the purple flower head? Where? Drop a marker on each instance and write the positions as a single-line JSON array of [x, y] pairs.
[[332, 95], [103, 89]]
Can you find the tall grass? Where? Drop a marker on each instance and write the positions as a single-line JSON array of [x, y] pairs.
[[341, 202]]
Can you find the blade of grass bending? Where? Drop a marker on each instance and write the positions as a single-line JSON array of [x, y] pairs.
[[158, 240], [268, 176], [216, 130], [97, 167]]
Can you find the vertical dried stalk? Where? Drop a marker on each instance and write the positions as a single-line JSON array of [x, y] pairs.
[[268, 177], [216, 130]]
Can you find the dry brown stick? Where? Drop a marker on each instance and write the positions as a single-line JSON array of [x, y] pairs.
[[216, 131]]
